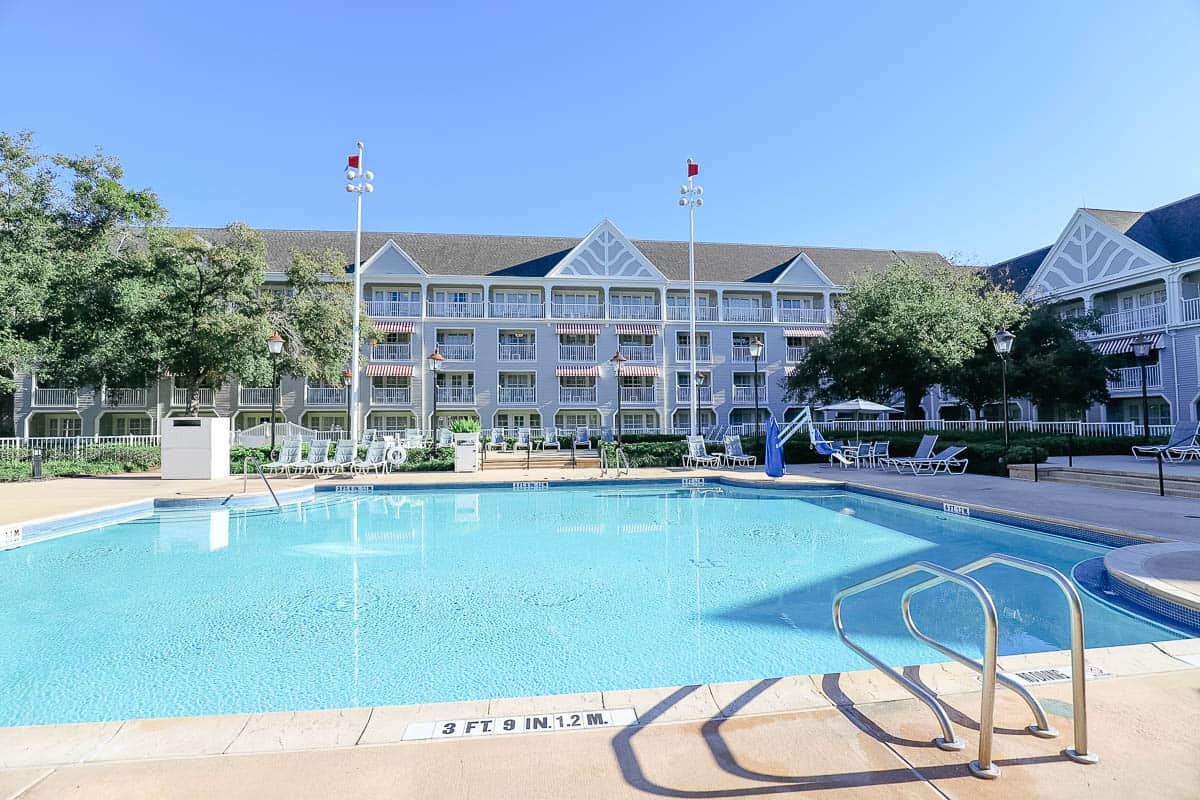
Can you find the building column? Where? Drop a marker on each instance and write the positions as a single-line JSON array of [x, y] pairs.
[[1174, 299]]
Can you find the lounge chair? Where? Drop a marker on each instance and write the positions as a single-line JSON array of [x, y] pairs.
[[318, 451], [697, 456], [497, 441], [827, 448], [924, 451], [858, 455], [523, 441], [550, 440], [413, 438], [375, 459], [1182, 438], [947, 461], [879, 453], [289, 456], [734, 457], [582, 440], [343, 456]]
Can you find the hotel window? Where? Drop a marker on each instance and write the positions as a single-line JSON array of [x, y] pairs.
[[455, 296], [568, 422], [394, 295], [517, 297]]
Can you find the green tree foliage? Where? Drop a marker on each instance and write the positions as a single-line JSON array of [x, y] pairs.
[[1053, 367], [903, 330]]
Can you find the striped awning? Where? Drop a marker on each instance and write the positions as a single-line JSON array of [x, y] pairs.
[[389, 370], [789, 371], [640, 330], [804, 332], [639, 371], [405, 326], [577, 372], [1125, 344], [577, 327]]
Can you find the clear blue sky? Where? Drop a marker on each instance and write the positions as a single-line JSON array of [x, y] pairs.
[[963, 127]]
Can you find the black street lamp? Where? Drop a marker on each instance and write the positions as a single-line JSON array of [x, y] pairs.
[[1002, 340], [275, 345], [347, 379], [1141, 351], [435, 361], [617, 360], [756, 348]]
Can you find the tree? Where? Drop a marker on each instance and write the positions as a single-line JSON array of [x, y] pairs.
[[1053, 367], [903, 330], [977, 380]]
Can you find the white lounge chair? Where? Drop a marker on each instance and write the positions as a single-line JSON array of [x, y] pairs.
[[343, 455], [550, 440], [582, 440], [413, 438], [523, 441], [1182, 438], [318, 451], [924, 451], [734, 456], [289, 456], [375, 459], [497, 441], [946, 461], [697, 456], [445, 438]]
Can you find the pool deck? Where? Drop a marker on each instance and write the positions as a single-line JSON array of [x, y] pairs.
[[852, 734]]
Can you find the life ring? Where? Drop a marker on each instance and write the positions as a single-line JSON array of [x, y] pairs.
[[397, 455]]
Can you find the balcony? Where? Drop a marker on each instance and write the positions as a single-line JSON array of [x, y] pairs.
[[393, 308], [205, 397], [577, 395], [457, 352], [57, 398], [1130, 379], [1136, 319], [1191, 309], [741, 354], [456, 395], [704, 313], [254, 396], [118, 398], [577, 352], [576, 310], [809, 315], [703, 353], [518, 395], [324, 396], [445, 308], [637, 394], [797, 353], [517, 352], [391, 351], [391, 395], [637, 352], [633, 311], [745, 394], [747, 313], [518, 310], [683, 394]]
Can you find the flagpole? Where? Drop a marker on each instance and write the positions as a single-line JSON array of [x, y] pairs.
[[353, 421]]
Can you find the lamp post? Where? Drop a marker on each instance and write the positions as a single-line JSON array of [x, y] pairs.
[[1141, 351], [435, 361], [275, 346], [355, 172], [691, 198], [698, 382], [1002, 341], [617, 360], [348, 381], [756, 348]]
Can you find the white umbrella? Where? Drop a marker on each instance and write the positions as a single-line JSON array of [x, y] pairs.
[[859, 406]]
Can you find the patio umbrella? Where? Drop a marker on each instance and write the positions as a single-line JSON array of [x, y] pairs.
[[858, 406]]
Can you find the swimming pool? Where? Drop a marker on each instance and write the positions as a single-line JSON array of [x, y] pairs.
[[423, 596]]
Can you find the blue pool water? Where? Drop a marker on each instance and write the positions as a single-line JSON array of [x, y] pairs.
[[443, 595]]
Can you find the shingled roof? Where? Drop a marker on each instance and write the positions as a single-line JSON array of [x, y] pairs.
[[463, 255]]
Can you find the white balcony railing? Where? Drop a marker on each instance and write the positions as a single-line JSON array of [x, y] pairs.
[[456, 395], [518, 395], [703, 353], [393, 308], [518, 352], [1135, 319], [796, 353], [683, 394], [809, 315], [577, 394], [747, 313], [116, 398], [637, 394], [518, 310], [704, 313], [741, 354], [447, 308], [391, 351], [745, 394], [457, 352], [638, 352], [633, 311], [577, 352], [1129, 378], [576, 310], [324, 396], [1191, 309], [55, 397], [391, 395], [254, 395], [205, 397]]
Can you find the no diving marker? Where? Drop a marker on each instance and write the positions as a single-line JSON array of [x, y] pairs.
[[529, 723], [952, 508]]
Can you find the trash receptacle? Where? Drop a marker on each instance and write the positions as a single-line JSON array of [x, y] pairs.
[[195, 448], [35, 457], [466, 452]]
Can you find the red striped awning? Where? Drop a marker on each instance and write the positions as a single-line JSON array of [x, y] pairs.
[[788, 371], [577, 327], [639, 371], [405, 326], [640, 330], [389, 370], [577, 372], [1125, 344], [804, 332]]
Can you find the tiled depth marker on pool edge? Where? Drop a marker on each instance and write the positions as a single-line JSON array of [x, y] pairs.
[[526, 723]]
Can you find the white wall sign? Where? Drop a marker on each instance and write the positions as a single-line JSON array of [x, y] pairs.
[[529, 723]]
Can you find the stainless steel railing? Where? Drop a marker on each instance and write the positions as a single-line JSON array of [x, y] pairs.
[[261, 474]]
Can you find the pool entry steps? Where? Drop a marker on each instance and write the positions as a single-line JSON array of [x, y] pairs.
[[982, 767]]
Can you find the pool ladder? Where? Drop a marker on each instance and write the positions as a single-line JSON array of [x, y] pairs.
[[619, 463], [982, 767]]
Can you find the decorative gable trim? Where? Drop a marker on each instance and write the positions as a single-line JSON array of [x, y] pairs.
[[606, 253], [1088, 252], [801, 271], [394, 261]]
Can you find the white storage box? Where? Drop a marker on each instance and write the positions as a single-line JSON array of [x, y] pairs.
[[195, 448], [466, 452]]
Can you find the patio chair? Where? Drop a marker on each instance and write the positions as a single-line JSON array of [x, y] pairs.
[[497, 441], [375, 459], [523, 441], [924, 451], [582, 440], [289, 456], [445, 438], [343, 456], [550, 440], [947, 461], [697, 456], [879, 453], [1182, 438], [858, 454], [318, 451], [827, 448], [734, 456], [413, 438]]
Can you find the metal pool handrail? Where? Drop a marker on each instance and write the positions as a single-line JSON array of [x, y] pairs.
[[983, 767], [258, 466], [1079, 752]]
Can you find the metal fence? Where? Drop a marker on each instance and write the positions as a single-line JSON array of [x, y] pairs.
[[68, 448]]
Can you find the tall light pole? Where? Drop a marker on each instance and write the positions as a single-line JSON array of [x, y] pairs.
[[355, 172], [756, 348], [1002, 341], [691, 198], [348, 381], [435, 361], [1141, 351], [617, 360], [275, 346]]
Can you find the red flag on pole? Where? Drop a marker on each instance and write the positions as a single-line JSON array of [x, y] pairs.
[[693, 168], [352, 161]]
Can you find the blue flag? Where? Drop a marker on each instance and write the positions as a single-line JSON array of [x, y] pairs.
[[774, 454]]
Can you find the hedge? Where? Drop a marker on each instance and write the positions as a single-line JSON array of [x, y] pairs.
[[420, 459]]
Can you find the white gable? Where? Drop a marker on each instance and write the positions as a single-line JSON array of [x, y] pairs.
[[391, 260], [606, 253], [803, 272], [1089, 251]]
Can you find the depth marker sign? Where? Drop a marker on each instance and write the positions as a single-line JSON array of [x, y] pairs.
[[528, 723]]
